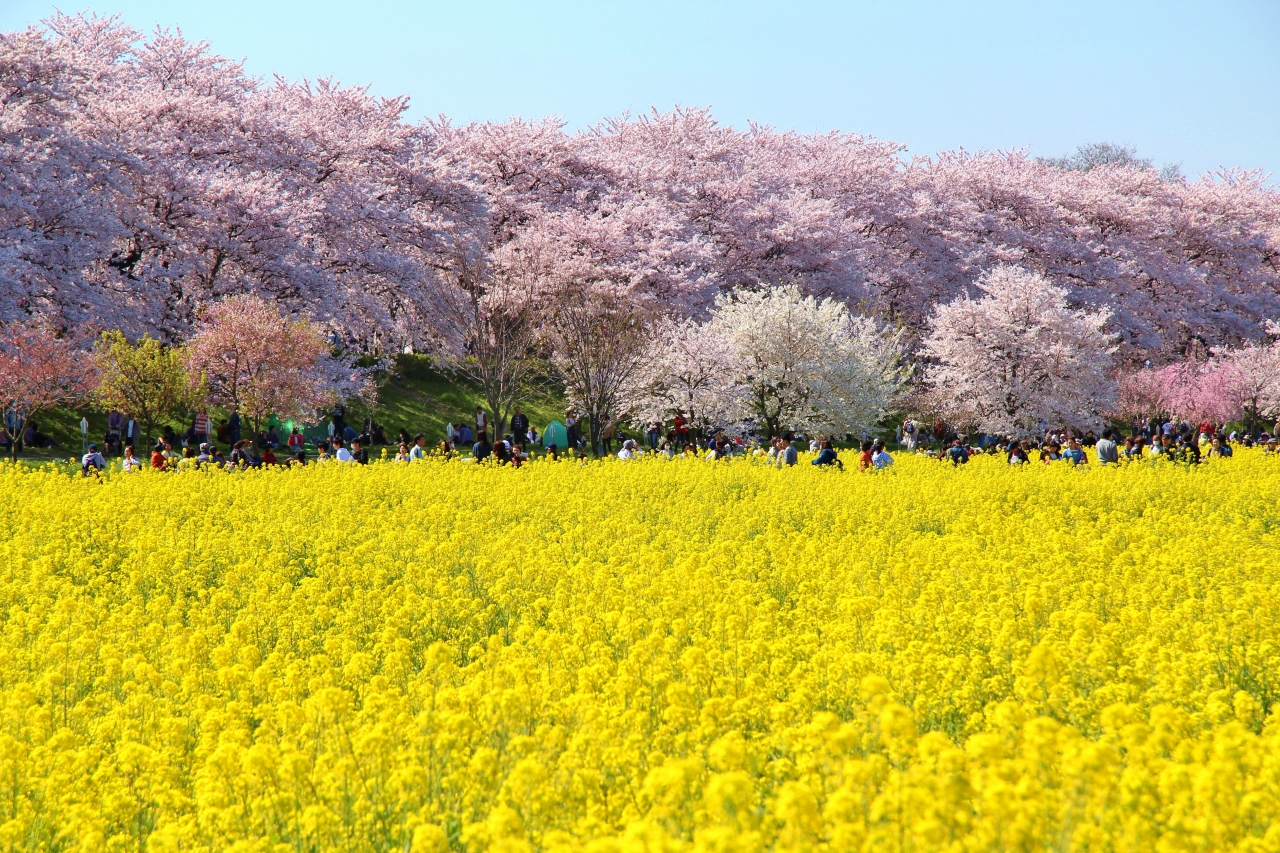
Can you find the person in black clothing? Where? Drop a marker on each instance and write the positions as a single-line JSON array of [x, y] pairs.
[[482, 449], [358, 453], [519, 425]]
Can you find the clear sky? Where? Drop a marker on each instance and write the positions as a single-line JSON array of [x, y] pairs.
[[1191, 83]]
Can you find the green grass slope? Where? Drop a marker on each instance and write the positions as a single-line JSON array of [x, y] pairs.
[[417, 397]]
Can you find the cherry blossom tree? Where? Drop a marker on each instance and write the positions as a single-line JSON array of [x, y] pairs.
[[257, 362], [801, 363], [57, 193], [1019, 355], [145, 178], [687, 369], [598, 343], [39, 371], [1250, 377]]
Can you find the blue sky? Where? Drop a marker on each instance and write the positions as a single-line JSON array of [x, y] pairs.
[[1193, 83]]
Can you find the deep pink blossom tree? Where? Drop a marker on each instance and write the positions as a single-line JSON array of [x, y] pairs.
[[257, 362], [39, 371]]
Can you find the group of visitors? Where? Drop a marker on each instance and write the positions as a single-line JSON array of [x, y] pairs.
[[1152, 440], [341, 442]]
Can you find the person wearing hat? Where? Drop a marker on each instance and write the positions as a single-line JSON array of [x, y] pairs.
[[628, 450], [92, 460], [204, 455]]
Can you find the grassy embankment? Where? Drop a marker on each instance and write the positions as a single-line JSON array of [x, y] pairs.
[[417, 398]]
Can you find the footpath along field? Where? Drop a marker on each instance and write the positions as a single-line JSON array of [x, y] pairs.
[[642, 656]]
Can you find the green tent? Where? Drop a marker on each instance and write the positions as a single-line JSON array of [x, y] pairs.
[[555, 434]]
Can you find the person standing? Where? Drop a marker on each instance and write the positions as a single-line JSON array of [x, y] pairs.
[[519, 425], [202, 427], [482, 420], [571, 428], [1108, 452], [132, 432], [233, 428]]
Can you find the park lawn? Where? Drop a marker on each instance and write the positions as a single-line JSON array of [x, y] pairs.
[[417, 398]]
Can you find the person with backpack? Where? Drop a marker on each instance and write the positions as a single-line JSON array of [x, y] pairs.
[[92, 461]]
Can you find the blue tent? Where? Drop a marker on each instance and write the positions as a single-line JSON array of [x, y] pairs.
[[555, 434]]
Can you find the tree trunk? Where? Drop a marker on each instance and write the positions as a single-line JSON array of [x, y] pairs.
[[594, 431]]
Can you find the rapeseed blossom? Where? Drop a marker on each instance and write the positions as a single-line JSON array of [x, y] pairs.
[[651, 655]]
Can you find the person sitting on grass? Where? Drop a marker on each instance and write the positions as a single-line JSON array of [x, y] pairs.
[[787, 454], [482, 449], [157, 457], [880, 457], [1074, 454], [827, 456], [358, 453], [92, 461], [130, 463]]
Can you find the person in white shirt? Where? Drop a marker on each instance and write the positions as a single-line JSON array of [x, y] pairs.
[[130, 462], [880, 457], [341, 453], [418, 451], [482, 420], [628, 450]]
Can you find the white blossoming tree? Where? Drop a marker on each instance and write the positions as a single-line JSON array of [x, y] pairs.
[[800, 363], [1019, 355], [687, 369]]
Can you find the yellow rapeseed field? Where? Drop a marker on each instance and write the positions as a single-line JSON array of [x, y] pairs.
[[642, 656]]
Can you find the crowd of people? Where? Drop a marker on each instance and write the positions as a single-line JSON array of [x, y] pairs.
[[339, 441], [1151, 439]]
